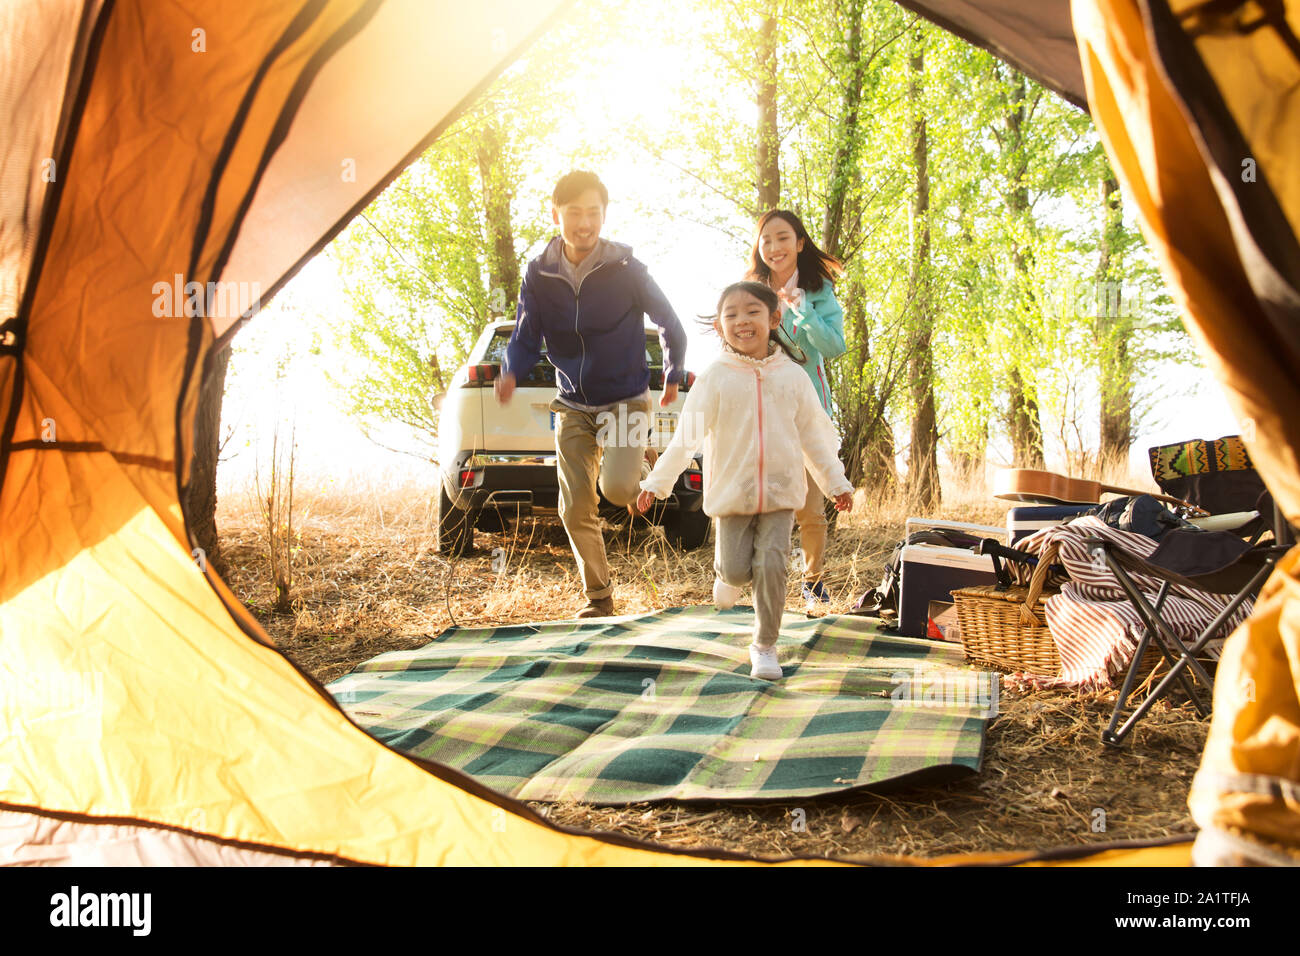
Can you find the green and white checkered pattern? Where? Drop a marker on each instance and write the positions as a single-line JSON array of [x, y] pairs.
[[661, 706]]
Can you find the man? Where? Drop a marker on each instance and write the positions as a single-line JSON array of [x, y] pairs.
[[587, 299]]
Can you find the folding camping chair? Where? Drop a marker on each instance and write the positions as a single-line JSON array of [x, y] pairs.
[[1218, 477]]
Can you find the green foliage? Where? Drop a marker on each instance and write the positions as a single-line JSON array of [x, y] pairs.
[[1015, 220], [423, 266]]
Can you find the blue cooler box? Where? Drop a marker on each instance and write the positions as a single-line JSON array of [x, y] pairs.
[[1022, 522], [929, 572]]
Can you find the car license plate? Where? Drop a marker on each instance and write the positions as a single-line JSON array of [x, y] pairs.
[[665, 425]]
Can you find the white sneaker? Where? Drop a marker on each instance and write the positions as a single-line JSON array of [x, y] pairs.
[[725, 595], [763, 663]]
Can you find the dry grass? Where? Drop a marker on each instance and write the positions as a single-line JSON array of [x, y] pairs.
[[367, 580]]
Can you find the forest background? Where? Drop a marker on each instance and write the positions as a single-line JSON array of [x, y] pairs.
[[1000, 306]]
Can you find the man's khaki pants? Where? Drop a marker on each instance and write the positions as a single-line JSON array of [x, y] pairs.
[[584, 465]]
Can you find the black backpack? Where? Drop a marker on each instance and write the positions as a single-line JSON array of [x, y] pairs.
[[882, 601]]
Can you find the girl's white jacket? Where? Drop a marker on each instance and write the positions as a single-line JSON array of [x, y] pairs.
[[760, 423]]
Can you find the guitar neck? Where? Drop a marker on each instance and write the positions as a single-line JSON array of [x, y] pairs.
[[1114, 490]]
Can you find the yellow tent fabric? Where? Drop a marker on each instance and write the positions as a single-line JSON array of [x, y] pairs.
[[1235, 281], [193, 166]]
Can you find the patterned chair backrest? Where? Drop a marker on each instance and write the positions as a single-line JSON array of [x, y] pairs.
[[1216, 474]]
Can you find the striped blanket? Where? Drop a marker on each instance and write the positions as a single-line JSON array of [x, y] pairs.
[[655, 706], [1095, 628]]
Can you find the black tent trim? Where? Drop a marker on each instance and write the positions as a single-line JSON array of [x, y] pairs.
[[1267, 246], [306, 16], [90, 38], [206, 837], [279, 131]]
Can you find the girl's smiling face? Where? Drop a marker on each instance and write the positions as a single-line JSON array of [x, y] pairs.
[[745, 323], [779, 247]]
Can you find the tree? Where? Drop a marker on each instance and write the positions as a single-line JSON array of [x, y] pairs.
[[1023, 419], [767, 145], [1113, 331], [431, 262], [923, 462]]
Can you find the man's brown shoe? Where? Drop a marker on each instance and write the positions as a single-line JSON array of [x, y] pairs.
[[603, 607]]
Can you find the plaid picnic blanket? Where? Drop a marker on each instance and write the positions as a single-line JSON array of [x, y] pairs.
[[656, 706]]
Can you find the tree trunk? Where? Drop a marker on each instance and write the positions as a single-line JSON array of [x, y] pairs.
[[922, 463], [1112, 329], [1023, 416], [1025, 426], [867, 449], [969, 448], [503, 266], [847, 136], [767, 153], [969, 456], [201, 493]]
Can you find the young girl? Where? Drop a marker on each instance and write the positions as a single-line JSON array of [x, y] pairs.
[[761, 425], [786, 259]]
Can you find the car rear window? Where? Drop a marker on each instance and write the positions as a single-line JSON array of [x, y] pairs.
[[496, 350]]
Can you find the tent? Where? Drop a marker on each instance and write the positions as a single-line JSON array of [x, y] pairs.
[[165, 174]]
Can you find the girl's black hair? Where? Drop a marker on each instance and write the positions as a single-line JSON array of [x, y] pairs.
[[815, 267], [765, 295]]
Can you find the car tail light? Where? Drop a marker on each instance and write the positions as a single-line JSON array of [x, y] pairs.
[[467, 478], [695, 480], [479, 376]]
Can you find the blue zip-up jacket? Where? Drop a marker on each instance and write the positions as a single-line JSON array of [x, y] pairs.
[[818, 330], [595, 334]]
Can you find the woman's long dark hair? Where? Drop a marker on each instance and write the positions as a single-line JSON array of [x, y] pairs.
[[765, 295], [815, 267]]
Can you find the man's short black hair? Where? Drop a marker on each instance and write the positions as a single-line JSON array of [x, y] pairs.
[[575, 183]]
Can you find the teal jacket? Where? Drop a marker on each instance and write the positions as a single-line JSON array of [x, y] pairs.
[[819, 333]]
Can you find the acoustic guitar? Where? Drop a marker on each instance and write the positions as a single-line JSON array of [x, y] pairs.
[[1027, 484]]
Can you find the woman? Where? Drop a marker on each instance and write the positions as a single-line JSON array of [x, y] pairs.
[[786, 259]]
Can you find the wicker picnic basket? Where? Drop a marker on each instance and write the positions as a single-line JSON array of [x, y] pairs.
[[994, 631], [1008, 630]]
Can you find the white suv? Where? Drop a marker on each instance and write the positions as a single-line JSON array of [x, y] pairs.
[[498, 462]]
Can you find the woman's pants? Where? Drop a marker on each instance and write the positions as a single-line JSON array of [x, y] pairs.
[[812, 531]]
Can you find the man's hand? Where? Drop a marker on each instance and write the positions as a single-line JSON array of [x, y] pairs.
[[505, 387], [844, 502], [669, 396], [644, 501]]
